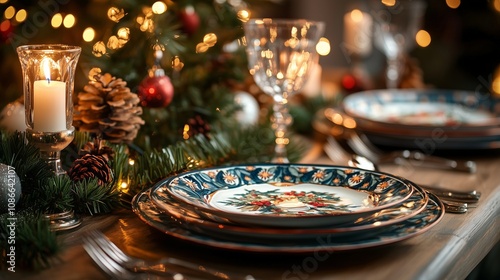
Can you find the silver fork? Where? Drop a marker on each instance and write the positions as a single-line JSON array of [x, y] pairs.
[[113, 269], [361, 145], [157, 267], [339, 155]]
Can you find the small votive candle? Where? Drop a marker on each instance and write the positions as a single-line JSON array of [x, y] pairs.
[[49, 106], [358, 32]]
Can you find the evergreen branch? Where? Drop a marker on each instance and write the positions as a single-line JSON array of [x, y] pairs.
[[81, 138], [25, 158], [54, 195], [92, 198], [35, 244]]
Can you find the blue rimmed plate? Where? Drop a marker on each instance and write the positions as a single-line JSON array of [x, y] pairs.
[[427, 119], [452, 110], [149, 213], [363, 227], [285, 195]]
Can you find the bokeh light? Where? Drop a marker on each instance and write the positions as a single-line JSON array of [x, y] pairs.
[[69, 21], [177, 64], [56, 21], [243, 15], [389, 3], [10, 12], [201, 48], [159, 7], [115, 14], [496, 5], [99, 49], [21, 15], [94, 72], [323, 47], [88, 34], [113, 43], [495, 85], [210, 39], [5, 25], [453, 3], [123, 34], [423, 38]]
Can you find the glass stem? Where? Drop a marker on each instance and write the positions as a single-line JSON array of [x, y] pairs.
[[393, 72], [281, 120]]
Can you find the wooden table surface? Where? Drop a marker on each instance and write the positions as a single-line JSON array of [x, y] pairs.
[[449, 250]]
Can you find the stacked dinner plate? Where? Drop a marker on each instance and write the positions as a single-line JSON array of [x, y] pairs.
[[288, 208], [429, 119]]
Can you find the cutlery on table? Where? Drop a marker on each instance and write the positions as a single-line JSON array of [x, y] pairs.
[[337, 153], [98, 243], [116, 271], [450, 195], [361, 145]]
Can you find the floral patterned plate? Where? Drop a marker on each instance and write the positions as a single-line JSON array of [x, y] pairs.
[[285, 195], [425, 109], [189, 218], [149, 213]]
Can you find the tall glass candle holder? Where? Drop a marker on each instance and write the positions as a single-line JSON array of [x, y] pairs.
[[48, 82]]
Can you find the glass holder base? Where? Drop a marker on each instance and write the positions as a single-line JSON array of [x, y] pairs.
[[63, 221]]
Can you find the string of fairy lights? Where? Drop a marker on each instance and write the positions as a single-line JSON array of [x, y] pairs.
[[13, 17]]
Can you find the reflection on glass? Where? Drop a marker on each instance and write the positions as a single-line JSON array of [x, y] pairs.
[[281, 54], [395, 31]]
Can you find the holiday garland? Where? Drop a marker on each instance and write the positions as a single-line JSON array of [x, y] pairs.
[[44, 193], [190, 58]]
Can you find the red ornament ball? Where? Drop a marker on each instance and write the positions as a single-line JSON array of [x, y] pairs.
[[190, 20], [156, 91]]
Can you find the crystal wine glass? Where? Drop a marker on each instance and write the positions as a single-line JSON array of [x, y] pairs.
[[281, 54], [395, 31]]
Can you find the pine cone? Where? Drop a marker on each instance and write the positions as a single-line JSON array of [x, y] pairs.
[[108, 108], [93, 163]]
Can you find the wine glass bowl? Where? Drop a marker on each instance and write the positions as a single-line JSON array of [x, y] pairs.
[[281, 54], [395, 33]]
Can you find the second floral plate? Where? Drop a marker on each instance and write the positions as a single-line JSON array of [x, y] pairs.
[[285, 195]]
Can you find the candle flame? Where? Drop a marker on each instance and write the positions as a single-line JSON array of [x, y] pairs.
[[46, 69]]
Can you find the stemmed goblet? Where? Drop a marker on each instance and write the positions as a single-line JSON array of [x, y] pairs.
[[395, 30], [281, 54]]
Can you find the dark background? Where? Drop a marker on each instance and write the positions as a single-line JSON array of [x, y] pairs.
[[464, 52]]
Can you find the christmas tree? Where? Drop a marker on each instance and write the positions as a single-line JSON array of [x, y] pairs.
[[175, 67], [184, 59]]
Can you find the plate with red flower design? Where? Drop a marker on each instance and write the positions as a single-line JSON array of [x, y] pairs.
[[284, 195]]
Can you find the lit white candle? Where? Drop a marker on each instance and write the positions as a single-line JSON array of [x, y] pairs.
[[358, 32], [49, 104]]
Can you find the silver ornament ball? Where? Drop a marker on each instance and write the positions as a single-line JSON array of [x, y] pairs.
[[10, 188]]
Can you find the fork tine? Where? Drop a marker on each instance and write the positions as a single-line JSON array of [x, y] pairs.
[[335, 151], [109, 266], [109, 247], [361, 147]]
